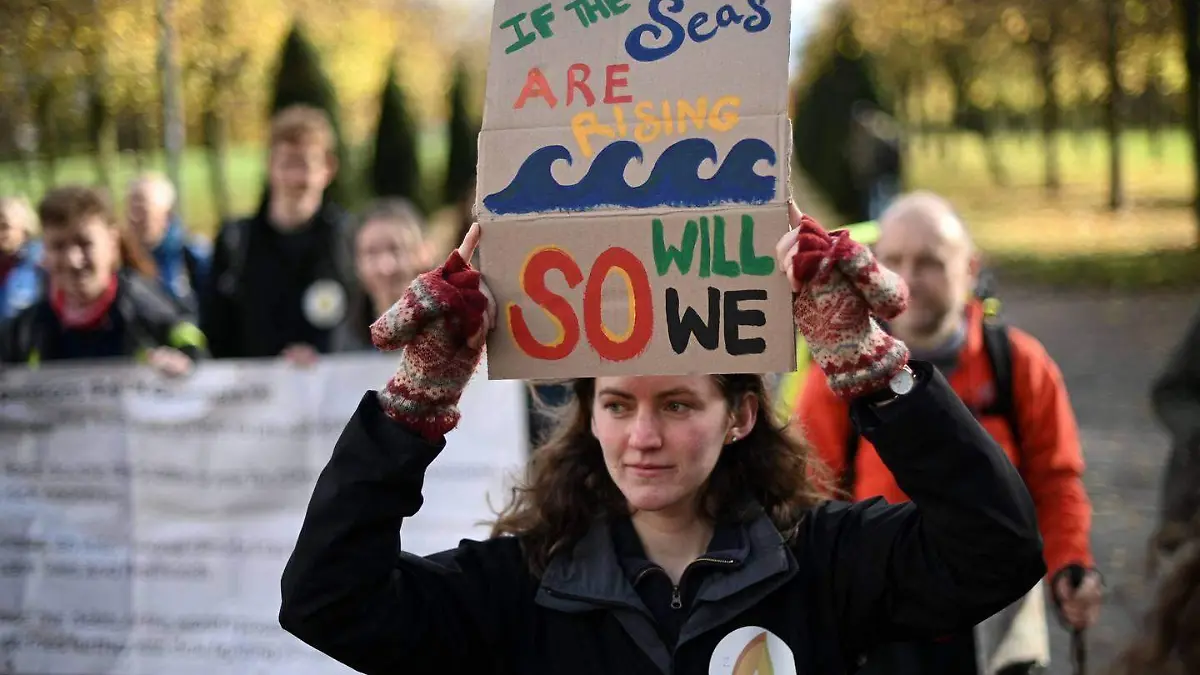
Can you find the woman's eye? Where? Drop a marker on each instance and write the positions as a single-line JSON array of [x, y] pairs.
[[614, 407], [678, 407]]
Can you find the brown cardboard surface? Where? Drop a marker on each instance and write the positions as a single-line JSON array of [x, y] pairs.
[[603, 115], [575, 345], [732, 62]]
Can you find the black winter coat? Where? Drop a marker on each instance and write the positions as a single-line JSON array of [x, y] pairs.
[[142, 317], [966, 546]]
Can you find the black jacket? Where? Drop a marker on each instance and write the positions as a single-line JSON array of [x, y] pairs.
[[965, 547], [142, 317], [258, 297]]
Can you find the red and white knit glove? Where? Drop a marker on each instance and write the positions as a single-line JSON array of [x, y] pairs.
[[431, 325], [838, 290]]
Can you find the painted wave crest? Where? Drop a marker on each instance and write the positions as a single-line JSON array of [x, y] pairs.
[[673, 182]]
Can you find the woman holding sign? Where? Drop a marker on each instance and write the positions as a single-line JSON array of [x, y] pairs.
[[668, 525]]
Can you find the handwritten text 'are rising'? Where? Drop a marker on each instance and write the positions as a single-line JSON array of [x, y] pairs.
[[668, 18], [647, 120]]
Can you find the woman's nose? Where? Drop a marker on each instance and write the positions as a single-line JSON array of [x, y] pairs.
[[645, 433]]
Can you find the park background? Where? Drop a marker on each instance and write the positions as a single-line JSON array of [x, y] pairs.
[[1065, 131], [1060, 128]]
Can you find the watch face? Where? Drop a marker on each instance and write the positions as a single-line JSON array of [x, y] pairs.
[[902, 382]]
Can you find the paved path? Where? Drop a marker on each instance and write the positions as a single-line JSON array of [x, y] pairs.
[[1110, 346]]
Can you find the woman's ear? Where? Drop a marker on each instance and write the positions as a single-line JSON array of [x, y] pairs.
[[743, 417]]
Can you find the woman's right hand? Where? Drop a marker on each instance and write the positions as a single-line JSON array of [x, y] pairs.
[[440, 326]]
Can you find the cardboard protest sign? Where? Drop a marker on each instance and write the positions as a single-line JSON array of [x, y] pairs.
[[632, 184]]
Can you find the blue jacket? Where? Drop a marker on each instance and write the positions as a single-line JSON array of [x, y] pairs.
[[183, 262], [25, 282]]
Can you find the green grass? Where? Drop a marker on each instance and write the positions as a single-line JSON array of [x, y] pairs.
[[1021, 219], [1073, 238], [244, 166], [1069, 238]]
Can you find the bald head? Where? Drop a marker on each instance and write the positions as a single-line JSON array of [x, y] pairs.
[[148, 207], [922, 239], [926, 215]]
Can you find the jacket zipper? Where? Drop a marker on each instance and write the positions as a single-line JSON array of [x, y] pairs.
[[676, 593]]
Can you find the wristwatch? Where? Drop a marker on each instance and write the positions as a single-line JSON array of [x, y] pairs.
[[900, 384], [903, 381]]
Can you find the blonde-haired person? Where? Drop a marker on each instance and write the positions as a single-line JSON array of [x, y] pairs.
[[670, 524], [21, 279], [390, 250]]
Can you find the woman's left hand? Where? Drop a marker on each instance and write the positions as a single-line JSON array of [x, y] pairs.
[[169, 361], [838, 289]]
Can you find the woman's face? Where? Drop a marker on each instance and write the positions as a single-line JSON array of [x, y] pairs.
[[662, 436], [81, 258], [389, 255]]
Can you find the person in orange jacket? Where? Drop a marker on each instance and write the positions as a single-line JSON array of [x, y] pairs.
[[923, 240]]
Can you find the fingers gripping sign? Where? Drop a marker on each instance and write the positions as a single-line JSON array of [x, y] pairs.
[[466, 250], [439, 326]]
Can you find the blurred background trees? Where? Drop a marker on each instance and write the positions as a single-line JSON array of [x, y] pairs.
[[105, 79], [1077, 80], [1053, 124]]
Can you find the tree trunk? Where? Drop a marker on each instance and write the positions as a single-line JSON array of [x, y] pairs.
[[215, 147], [1190, 13], [24, 130], [1116, 190], [172, 102], [47, 127], [1051, 114], [1155, 107], [991, 153], [101, 129]]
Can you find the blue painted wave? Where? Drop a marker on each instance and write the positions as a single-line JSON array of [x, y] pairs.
[[673, 182]]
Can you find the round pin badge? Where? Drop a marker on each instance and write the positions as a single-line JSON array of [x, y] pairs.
[[749, 650], [325, 304]]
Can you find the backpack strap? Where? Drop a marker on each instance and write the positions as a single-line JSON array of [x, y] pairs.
[[233, 240], [998, 346]]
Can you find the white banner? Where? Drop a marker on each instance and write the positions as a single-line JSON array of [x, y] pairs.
[[145, 523]]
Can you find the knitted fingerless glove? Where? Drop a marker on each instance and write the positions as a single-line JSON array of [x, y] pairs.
[[430, 324], [842, 288]]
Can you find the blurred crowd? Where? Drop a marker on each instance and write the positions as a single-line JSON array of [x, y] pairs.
[[299, 278]]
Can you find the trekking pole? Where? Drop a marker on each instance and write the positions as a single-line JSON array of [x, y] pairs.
[[1078, 635]]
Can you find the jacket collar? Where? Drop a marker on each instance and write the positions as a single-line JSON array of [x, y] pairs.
[[591, 577], [729, 547]]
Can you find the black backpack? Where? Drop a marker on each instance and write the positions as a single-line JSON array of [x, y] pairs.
[[998, 347]]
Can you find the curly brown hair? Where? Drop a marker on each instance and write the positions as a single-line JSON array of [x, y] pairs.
[[567, 486], [1169, 644]]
